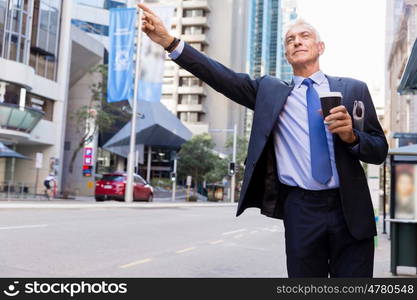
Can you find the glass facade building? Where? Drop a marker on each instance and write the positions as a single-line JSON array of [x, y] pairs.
[[264, 47], [29, 33], [288, 15]]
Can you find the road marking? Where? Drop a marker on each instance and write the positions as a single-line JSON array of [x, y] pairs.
[[234, 231], [185, 250], [24, 226], [136, 263], [216, 242], [238, 236], [254, 231]]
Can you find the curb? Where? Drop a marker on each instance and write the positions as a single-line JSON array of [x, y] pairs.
[[38, 205]]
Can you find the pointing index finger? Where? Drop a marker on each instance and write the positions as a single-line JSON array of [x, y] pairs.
[[145, 8]]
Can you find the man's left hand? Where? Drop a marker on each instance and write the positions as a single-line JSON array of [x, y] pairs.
[[341, 123]]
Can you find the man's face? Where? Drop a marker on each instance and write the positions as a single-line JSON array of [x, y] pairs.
[[301, 45]]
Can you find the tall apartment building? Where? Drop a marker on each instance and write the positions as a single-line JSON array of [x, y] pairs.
[[400, 106], [34, 75], [218, 29], [264, 54]]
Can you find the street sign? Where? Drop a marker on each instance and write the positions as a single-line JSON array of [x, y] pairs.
[[39, 159], [88, 156], [87, 171], [188, 180]]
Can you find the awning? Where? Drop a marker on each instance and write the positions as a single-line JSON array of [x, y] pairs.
[[7, 152], [408, 84], [159, 128], [405, 150]]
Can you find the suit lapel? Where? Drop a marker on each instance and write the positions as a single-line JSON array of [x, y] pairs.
[[336, 85], [278, 96]]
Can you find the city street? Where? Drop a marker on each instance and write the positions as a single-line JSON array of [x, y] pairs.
[[148, 242]]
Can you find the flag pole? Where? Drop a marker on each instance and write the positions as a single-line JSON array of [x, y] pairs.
[[132, 146]]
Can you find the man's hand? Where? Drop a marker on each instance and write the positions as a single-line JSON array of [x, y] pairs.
[[341, 123], [154, 28]]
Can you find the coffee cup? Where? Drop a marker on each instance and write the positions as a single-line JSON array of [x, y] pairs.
[[328, 101]]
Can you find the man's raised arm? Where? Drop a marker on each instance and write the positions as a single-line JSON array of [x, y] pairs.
[[239, 87]]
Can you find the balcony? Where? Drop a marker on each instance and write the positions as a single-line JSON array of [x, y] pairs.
[[197, 4], [195, 38], [190, 90], [188, 21], [17, 119], [191, 108]]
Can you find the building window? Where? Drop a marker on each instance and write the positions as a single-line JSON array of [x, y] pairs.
[[3, 7], [183, 116], [45, 37], [190, 117], [188, 13], [193, 30], [190, 81], [198, 46], [14, 30], [91, 27], [106, 4], [189, 99], [41, 103]]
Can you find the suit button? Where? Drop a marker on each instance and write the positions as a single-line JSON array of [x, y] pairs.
[[254, 163]]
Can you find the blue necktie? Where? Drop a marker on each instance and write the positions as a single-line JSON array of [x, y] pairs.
[[319, 150]]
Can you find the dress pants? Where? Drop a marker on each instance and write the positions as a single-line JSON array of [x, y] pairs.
[[317, 240]]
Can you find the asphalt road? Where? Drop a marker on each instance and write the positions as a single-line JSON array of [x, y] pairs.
[[146, 242]]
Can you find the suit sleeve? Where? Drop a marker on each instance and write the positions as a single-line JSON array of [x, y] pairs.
[[238, 87], [372, 146]]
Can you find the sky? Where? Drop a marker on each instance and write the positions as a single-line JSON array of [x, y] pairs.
[[354, 34]]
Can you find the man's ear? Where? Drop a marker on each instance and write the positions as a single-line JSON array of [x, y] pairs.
[[321, 47]]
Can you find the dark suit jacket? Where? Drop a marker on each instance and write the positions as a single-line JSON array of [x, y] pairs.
[[266, 96]]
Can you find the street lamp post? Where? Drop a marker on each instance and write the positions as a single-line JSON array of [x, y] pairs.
[[131, 155], [233, 176]]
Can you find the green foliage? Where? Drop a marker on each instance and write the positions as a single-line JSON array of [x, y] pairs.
[[192, 198], [219, 171], [197, 158], [165, 183]]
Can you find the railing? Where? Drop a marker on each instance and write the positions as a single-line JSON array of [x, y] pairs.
[[14, 118], [21, 191]]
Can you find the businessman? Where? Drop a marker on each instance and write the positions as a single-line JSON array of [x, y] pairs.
[[298, 169]]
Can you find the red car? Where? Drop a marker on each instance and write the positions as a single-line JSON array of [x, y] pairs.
[[113, 186]]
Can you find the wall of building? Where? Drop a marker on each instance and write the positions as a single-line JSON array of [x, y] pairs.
[[400, 111]]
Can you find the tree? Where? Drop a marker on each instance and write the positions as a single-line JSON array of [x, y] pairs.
[[197, 158], [96, 115]]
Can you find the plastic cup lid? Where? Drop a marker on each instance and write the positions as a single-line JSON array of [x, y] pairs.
[[331, 94]]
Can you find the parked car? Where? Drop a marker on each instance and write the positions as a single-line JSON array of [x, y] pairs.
[[112, 186]]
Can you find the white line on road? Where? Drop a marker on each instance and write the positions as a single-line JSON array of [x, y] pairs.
[[254, 231], [23, 226], [136, 263], [185, 250], [216, 242], [234, 231], [238, 236]]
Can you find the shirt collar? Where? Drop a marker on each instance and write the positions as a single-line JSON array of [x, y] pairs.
[[317, 77]]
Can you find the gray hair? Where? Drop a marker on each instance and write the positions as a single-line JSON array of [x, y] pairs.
[[304, 23]]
